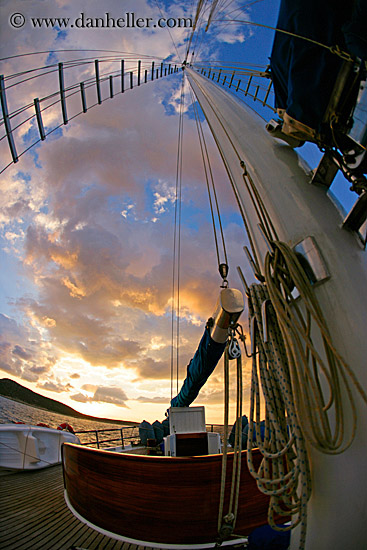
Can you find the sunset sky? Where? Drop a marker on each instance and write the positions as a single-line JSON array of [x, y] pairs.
[[86, 217]]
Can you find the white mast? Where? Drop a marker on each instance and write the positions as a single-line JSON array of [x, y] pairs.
[[337, 510]]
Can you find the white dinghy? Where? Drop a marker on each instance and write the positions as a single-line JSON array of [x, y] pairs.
[[26, 447]]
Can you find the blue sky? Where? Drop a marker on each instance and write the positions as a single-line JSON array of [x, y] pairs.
[[86, 217]]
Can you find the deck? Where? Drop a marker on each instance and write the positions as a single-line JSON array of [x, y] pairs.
[[33, 515]]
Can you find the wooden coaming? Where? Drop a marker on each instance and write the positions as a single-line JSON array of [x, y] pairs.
[[158, 499]]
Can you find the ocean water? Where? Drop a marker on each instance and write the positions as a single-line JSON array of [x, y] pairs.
[[12, 411]]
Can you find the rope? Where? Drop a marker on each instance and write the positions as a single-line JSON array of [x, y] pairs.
[[287, 367], [284, 472], [227, 523], [320, 413], [225, 439], [235, 490]]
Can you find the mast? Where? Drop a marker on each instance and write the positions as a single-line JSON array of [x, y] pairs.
[[302, 214]]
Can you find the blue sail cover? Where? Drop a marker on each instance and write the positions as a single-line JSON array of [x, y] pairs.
[[304, 73], [199, 369]]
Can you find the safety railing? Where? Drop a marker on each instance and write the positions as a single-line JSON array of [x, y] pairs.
[[126, 435], [109, 437]]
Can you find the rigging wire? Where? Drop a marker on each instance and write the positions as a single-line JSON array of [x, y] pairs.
[[208, 172], [176, 260], [221, 7], [169, 32], [258, 204], [77, 50], [239, 9], [198, 18], [332, 49]]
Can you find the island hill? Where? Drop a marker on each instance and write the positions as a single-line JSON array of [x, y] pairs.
[[17, 392]]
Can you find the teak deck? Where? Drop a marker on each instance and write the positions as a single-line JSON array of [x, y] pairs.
[[33, 515]]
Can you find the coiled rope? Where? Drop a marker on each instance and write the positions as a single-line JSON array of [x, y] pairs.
[[301, 386], [320, 412], [284, 472]]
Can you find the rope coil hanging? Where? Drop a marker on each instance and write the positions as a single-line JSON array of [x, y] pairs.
[[288, 368], [321, 412], [284, 472]]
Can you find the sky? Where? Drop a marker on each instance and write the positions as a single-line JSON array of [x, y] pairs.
[[87, 216]]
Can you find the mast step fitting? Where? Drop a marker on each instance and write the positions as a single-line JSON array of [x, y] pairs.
[[229, 307], [274, 128]]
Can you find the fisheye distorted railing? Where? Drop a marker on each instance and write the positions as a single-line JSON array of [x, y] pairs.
[[106, 86], [255, 84]]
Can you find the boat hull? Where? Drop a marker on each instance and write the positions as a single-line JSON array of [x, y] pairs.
[[161, 500]]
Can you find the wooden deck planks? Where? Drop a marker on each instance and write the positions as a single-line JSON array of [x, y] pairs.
[[34, 516]]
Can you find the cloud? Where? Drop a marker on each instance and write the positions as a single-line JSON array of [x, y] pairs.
[[152, 369], [101, 394], [157, 400], [89, 388], [57, 387], [89, 212], [81, 398], [23, 351], [113, 395]]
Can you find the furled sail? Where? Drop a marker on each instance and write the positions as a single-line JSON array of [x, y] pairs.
[[211, 347]]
